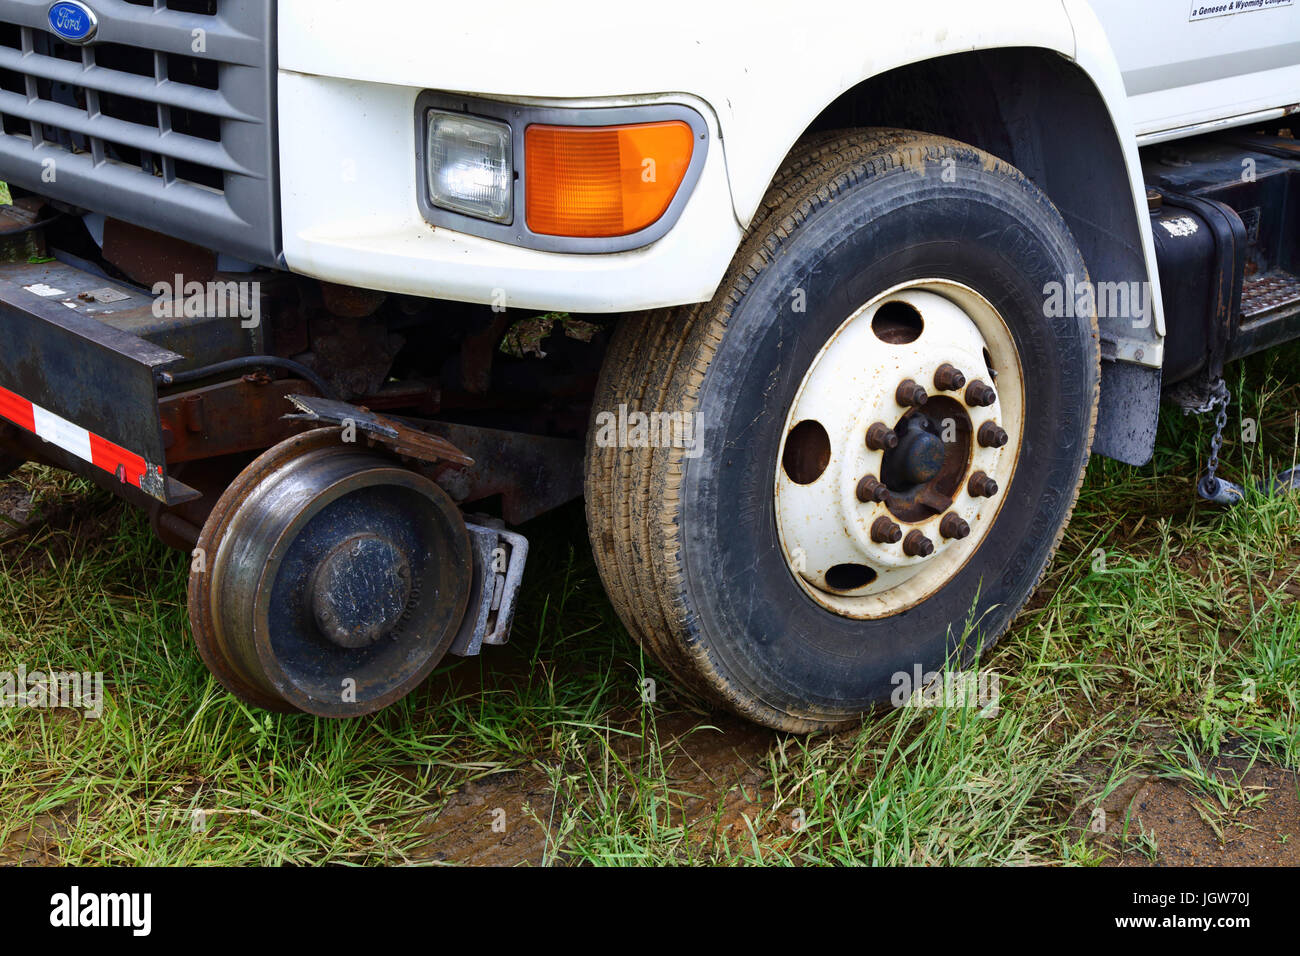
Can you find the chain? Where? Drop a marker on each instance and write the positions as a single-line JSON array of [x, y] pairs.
[[1218, 396], [1210, 487]]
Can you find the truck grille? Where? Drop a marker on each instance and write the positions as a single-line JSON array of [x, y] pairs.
[[163, 120]]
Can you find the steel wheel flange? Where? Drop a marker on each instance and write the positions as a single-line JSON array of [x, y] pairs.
[[328, 579]]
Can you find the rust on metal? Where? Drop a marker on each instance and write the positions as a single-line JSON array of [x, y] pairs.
[[349, 302], [531, 473], [885, 531], [982, 486], [910, 394], [880, 437], [980, 394], [917, 545], [398, 437], [149, 257], [871, 489], [992, 435], [237, 416], [949, 378], [954, 526]]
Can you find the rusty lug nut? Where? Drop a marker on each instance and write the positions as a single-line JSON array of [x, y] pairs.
[[982, 486], [979, 395], [954, 526], [911, 394], [870, 489], [880, 437], [949, 378], [992, 435], [917, 545], [884, 531]]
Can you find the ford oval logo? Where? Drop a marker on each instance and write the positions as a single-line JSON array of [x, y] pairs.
[[72, 21]]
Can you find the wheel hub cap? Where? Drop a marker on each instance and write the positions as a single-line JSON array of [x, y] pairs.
[[360, 590]]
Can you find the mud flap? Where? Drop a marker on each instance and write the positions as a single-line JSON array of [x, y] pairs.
[[1129, 412]]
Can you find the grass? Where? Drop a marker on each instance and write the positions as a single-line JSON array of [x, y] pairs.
[[1167, 633]]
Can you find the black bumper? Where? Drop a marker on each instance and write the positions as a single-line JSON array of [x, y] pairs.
[[77, 382]]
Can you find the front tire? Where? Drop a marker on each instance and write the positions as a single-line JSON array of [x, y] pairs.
[[719, 561]]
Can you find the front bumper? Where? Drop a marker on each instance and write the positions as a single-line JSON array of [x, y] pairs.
[[86, 389], [351, 215]]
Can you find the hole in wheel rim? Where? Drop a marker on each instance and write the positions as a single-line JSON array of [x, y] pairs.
[[807, 452], [897, 323], [849, 577]]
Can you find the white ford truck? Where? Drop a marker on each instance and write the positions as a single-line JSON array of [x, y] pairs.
[[823, 307]]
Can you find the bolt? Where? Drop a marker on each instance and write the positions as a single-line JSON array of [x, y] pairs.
[[992, 436], [880, 437], [870, 489], [979, 395], [982, 486], [884, 531], [948, 378], [911, 394], [953, 526], [918, 545]]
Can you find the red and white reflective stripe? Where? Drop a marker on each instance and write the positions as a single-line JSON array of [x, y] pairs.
[[100, 452]]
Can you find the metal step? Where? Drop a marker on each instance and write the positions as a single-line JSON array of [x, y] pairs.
[[1269, 295]]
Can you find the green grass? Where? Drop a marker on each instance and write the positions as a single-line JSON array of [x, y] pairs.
[[1184, 645]]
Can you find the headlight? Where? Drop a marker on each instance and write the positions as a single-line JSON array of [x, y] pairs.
[[471, 166]]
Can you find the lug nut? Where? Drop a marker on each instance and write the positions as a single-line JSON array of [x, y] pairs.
[[982, 486], [884, 531], [917, 545], [880, 437], [954, 526], [871, 489], [948, 378], [979, 395], [991, 435], [910, 394]]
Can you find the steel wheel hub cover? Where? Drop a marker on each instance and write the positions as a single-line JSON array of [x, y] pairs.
[[335, 579], [898, 449]]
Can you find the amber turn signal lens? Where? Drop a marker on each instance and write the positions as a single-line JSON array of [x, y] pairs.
[[597, 181]]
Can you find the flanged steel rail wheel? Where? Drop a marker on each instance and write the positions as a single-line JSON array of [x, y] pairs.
[[328, 579], [890, 433]]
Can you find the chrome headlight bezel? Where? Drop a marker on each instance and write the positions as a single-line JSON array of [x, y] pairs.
[[519, 117]]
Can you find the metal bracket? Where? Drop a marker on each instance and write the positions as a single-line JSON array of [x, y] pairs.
[[1132, 350], [401, 438], [499, 557]]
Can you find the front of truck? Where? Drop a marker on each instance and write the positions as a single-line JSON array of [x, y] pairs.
[[326, 138], [351, 211]]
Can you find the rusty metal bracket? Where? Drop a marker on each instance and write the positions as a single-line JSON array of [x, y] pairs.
[[499, 558], [398, 437], [237, 416]]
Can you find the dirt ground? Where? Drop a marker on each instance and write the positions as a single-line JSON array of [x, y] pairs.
[[716, 765], [1184, 823], [721, 765]]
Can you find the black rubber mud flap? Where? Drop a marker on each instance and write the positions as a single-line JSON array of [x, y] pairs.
[[1129, 412]]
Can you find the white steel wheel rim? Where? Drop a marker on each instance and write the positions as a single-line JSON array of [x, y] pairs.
[[823, 526]]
